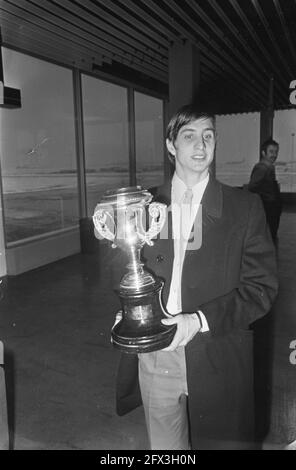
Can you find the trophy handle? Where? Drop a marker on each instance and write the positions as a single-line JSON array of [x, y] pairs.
[[164, 310], [157, 210], [99, 219]]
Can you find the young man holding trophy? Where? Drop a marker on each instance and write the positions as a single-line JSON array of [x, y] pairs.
[[217, 261]]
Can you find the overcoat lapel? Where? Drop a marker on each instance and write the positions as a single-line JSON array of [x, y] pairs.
[[163, 194], [210, 210], [204, 257], [160, 257]]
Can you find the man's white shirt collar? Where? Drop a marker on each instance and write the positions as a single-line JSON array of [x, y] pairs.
[[179, 188]]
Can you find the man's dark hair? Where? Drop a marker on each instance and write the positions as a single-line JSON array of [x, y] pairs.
[[183, 116], [266, 144]]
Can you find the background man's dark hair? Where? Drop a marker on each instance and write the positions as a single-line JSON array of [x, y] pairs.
[[183, 116], [266, 144]]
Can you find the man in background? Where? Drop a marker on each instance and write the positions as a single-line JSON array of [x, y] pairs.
[[263, 182]]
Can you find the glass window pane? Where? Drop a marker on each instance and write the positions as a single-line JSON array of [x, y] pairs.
[[237, 147], [105, 117], [149, 140], [284, 132], [37, 146]]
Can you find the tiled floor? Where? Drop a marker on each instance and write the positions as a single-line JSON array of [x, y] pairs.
[[60, 366]]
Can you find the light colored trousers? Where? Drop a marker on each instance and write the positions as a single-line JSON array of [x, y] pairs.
[[163, 388]]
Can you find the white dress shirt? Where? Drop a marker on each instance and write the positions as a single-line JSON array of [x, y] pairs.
[[182, 231]]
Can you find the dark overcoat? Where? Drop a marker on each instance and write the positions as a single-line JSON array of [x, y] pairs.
[[232, 278]]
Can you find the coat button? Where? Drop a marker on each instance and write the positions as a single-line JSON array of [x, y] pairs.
[[159, 258]]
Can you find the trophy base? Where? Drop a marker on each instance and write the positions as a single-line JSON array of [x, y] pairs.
[[141, 329], [148, 343]]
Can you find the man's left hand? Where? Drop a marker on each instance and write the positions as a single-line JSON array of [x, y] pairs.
[[188, 325]]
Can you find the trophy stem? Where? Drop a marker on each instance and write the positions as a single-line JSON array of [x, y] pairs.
[[137, 279], [135, 264]]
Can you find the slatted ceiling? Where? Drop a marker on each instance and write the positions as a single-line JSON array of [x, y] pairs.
[[285, 28], [50, 41], [257, 35], [231, 57], [226, 68], [25, 10], [151, 16], [251, 53], [76, 26], [157, 47], [234, 33], [251, 56], [205, 51], [77, 16], [235, 86], [118, 17], [217, 31], [269, 23], [64, 28], [54, 54], [210, 48], [245, 99], [271, 36], [27, 20], [242, 42]]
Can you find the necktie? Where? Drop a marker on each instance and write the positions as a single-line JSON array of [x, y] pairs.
[[185, 219]]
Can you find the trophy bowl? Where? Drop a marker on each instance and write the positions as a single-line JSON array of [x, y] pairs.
[[119, 217]]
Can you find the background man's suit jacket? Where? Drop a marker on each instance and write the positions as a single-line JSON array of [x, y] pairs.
[[232, 279]]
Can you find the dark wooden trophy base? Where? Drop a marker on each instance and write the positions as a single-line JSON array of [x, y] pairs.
[[140, 329]]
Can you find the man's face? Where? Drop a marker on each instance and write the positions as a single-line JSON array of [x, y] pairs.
[[271, 153], [194, 147]]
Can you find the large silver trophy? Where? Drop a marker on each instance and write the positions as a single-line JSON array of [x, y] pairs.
[[120, 217]]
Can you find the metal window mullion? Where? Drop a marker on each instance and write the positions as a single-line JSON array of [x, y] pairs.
[[3, 223], [80, 149], [168, 167], [132, 137]]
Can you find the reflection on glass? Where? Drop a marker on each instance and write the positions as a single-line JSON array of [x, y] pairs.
[[149, 140], [105, 117], [37, 148]]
